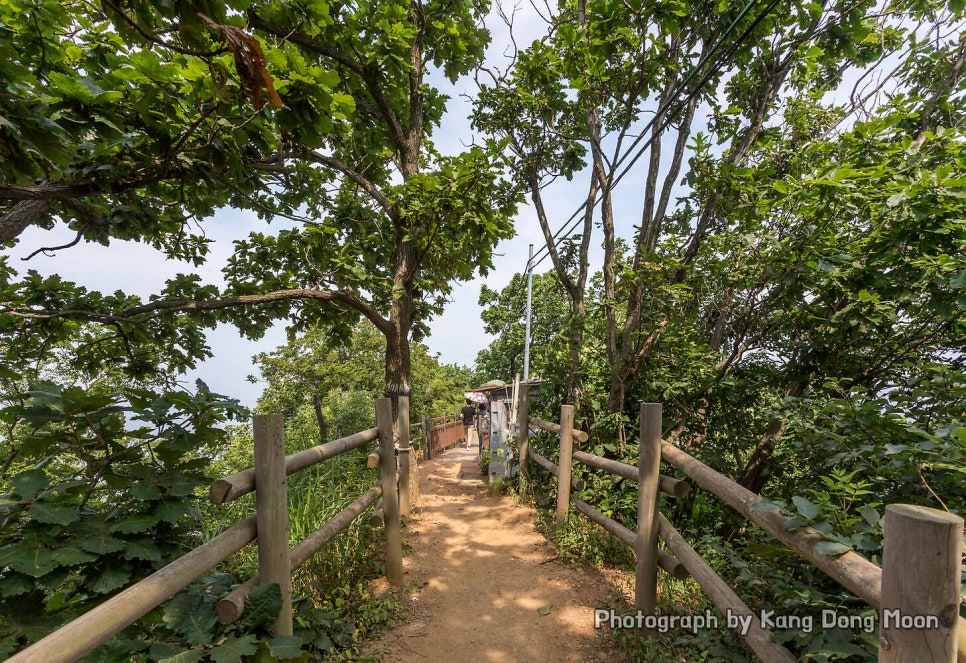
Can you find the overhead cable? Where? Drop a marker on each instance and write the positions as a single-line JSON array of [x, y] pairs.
[[564, 231]]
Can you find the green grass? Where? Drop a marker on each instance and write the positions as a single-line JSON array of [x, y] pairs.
[[337, 609]]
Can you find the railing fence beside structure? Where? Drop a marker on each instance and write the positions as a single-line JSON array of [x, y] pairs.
[[916, 592]]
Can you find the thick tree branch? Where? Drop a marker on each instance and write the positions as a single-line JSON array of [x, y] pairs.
[[145, 312], [23, 215], [361, 180], [51, 191]]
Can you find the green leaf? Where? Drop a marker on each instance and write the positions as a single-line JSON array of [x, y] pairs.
[[764, 505], [144, 490], [807, 509], [70, 556], [171, 511], [545, 609], [831, 548], [188, 656], [101, 544], [263, 605], [285, 647], [870, 515], [233, 649], [15, 584], [134, 524], [142, 548], [189, 615], [34, 561], [110, 579], [54, 514], [27, 485]]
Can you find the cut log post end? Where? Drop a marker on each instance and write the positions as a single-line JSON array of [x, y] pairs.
[[674, 487], [672, 566], [372, 460], [229, 609], [219, 490]]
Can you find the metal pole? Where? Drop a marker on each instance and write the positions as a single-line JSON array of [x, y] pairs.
[[526, 344]]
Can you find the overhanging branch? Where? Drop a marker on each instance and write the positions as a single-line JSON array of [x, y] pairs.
[[145, 312]]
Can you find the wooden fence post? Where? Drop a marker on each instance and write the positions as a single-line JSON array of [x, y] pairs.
[[402, 426], [271, 512], [566, 461], [921, 559], [427, 439], [390, 503], [648, 496], [523, 422]]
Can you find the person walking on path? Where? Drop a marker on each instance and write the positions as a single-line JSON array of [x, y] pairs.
[[469, 418]]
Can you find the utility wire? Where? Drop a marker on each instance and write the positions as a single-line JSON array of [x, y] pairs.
[[670, 117], [662, 109]]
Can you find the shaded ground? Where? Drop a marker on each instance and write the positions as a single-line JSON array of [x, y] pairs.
[[478, 574]]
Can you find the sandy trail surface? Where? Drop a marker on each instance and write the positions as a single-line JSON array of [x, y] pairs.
[[479, 576]]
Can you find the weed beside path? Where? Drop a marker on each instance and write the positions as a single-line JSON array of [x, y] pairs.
[[479, 578]]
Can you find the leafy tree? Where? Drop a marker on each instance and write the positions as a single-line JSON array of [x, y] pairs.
[[100, 491], [504, 315], [675, 274], [315, 367], [138, 122], [799, 311], [346, 155]]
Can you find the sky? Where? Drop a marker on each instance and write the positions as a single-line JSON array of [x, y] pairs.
[[455, 337]]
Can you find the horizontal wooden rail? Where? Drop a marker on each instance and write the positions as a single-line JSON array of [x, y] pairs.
[[668, 485], [550, 427], [92, 629], [851, 570], [757, 637], [232, 606], [664, 560], [241, 483], [445, 435], [548, 465]]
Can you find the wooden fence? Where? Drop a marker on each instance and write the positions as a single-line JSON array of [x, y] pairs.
[[916, 592], [441, 433], [269, 526]]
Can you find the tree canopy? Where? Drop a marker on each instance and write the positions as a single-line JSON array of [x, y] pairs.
[[787, 275], [321, 115]]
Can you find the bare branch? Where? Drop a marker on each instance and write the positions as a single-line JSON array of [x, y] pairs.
[[47, 250]]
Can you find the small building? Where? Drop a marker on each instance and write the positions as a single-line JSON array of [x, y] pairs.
[[500, 425]]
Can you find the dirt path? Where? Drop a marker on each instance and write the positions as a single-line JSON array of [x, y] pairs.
[[478, 574]]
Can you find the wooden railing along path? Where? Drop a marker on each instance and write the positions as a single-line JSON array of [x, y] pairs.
[[916, 592], [269, 526], [441, 433]]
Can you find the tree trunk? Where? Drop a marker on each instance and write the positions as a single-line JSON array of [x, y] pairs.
[[755, 473], [576, 346]]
